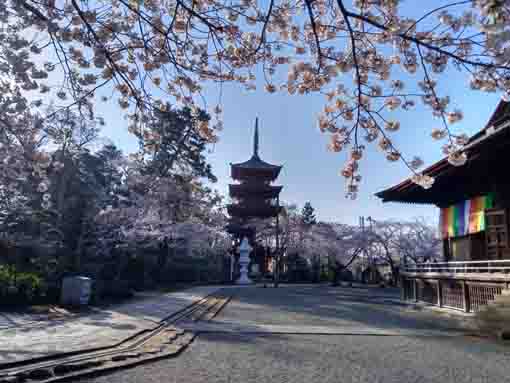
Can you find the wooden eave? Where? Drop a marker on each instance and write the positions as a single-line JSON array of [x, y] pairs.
[[487, 152], [260, 211], [262, 190], [254, 167]]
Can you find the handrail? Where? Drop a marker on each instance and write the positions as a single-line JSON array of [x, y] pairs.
[[463, 262], [461, 268], [489, 265]]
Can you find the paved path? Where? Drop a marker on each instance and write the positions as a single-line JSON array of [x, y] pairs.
[[20, 319], [28, 339], [326, 335]]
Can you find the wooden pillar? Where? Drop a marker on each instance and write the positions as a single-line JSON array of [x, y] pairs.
[[439, 293], [403, 286], [465, 295], [415, 290]]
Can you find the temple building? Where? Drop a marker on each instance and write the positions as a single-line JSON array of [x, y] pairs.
[[253, 196], [474, 203]]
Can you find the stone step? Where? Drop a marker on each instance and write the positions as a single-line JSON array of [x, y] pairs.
[[492, 309], [505, 294], [494, 318], [498, 304], [502, 298], [493, 315]]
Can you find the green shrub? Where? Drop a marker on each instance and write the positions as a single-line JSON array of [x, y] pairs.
[[20, 287], [30, 286], [325, 275]]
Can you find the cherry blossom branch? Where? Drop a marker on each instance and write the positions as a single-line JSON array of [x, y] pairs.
[[314, 29], [433, 91], [264, 27], [434, 11], [117, 71], [423, 43], [356, 65]]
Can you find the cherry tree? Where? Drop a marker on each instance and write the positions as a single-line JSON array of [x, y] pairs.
[[383, 239], [341, 243], [24, 165], [418, 241], [394, 242], [171, 210], [368, 58]]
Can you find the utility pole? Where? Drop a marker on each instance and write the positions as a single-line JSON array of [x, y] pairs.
[[370, 228], [362, 227], [232, 267], [277, 253]]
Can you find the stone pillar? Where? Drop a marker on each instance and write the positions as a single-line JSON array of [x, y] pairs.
[[244, 261]]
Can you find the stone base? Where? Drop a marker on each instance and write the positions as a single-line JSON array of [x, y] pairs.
[[244, 280]]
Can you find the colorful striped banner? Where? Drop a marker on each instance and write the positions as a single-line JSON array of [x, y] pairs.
[[466, 217]]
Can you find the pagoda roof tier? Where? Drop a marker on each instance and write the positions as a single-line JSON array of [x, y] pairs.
[[238, 229], [259, 211], [488, 152], [255, 167], [258, 189]]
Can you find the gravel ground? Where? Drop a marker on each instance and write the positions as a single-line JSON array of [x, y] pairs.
[[326, 359], [326, 306]]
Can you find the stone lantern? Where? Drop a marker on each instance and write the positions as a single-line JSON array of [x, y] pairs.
[[244, 260]]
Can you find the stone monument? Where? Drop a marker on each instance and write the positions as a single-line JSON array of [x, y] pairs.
[[244, 261]]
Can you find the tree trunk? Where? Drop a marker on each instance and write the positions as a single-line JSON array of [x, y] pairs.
[[393, 270], [277, 270]]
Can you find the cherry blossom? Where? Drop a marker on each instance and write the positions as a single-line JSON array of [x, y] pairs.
[[354, 53]]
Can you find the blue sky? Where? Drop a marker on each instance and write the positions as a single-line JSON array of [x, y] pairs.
[[289, 136]]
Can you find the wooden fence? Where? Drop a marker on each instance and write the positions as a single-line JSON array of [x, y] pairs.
[[459, 294]]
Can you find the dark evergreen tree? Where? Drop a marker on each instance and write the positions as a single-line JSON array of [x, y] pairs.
[[174, 140], [308, 214]]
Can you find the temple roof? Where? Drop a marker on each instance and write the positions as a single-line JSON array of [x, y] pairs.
[[487, 152], [255, 166]]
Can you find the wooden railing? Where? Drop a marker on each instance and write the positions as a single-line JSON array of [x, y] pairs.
[[486, 266], [461, 285]]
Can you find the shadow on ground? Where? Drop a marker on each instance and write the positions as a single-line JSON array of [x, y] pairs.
[[330, 306]]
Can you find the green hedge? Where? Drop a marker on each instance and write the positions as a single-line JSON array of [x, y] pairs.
[[20, 288]]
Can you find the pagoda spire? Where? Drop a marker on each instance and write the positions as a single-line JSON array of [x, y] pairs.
[[256, 139]]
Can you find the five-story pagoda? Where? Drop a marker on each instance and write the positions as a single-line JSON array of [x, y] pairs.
[[253, 196]]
